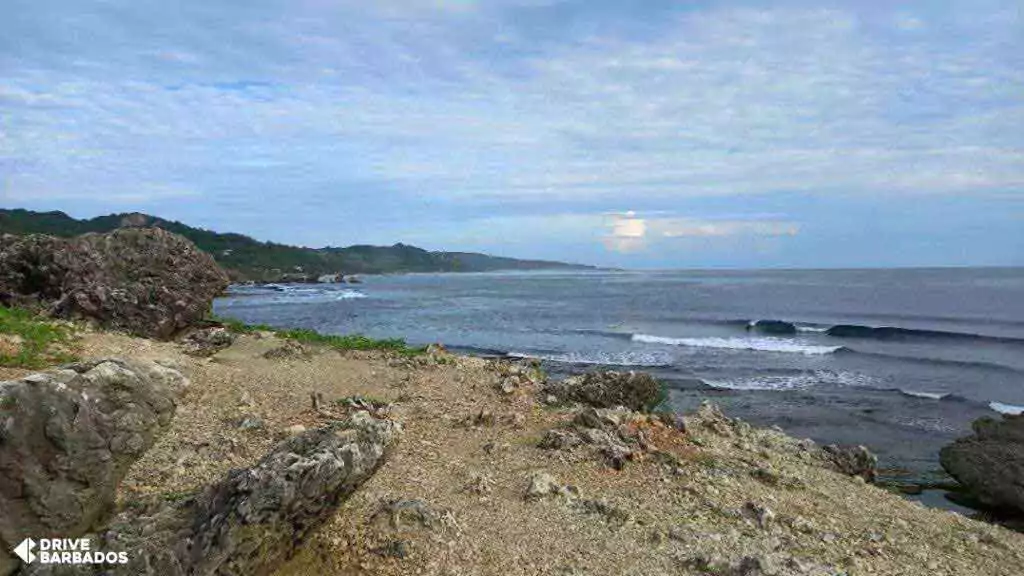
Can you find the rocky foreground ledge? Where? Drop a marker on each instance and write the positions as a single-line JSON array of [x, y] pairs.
[[502, 472], [67, 438]]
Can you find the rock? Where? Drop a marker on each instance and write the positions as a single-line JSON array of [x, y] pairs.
[[207, 341], [251, 423], [712, 418], [394, 549], [287, 349], [778, 327], [480, 484], [762, 514], [559, 440], [146, 281], [481, 419], [403, 515], [68, 437], [295, 430], [607, 420], [541, 485], [513, 376], [990, 463], [253, 519], [634, 390], [852, 461]]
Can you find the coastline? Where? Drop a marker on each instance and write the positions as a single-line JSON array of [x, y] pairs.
[[730, 496]]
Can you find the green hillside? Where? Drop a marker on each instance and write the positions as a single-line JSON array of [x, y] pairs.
[[246, 258]]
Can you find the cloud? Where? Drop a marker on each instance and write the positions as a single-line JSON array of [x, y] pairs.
[[516, 104], [680, 228]]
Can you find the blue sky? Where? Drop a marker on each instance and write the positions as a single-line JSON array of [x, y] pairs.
[[632, 133]]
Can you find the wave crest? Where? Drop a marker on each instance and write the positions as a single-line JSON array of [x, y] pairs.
[[757, 344], [638, 359]]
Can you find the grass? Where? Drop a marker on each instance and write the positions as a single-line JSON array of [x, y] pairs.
[[41, 341], [338, 342]]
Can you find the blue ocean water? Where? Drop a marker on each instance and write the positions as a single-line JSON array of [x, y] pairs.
[[957, 352]]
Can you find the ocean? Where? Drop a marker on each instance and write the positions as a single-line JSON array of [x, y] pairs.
[[954, 350]]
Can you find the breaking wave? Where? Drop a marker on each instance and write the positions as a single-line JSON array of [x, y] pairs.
[[758, 344]]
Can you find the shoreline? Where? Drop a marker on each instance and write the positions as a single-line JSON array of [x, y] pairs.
[[929, 486], [719, 496]]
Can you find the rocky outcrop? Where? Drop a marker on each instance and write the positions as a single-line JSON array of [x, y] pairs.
[[146, 281], [852, 461], [67, 438], [250, 521], [634, 390], [990, 463], [207, 341], [616, 435]]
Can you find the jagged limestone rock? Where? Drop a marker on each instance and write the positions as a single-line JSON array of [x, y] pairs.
[[67, 439], [145, 281], [253, 519]]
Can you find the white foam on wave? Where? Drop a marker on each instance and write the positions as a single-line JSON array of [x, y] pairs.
[[1006, 408], [814, 329], [349, 295], [758, 344], [600, 358], [923, 394], [793, 382]]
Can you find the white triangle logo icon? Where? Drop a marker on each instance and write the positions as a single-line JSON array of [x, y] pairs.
[[24, 550]]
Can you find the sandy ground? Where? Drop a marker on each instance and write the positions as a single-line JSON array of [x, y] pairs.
[[733, 500]]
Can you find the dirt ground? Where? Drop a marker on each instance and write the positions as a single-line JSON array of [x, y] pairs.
[[731, 499]]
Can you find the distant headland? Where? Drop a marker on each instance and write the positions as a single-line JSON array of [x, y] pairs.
[[246, 259]]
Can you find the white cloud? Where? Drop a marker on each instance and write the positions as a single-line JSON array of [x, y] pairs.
[[416, 97]]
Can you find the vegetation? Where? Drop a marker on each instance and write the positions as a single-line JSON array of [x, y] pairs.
[[28, 341], [338, 342], [351, 342], [245, 258]]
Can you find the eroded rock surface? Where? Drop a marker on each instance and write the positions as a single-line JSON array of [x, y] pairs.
[[253, 519], [990, 463], [145, 281], [67, 439], [634, 390]]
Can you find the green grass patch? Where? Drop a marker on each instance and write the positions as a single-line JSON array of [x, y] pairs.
[[338, 342], [32, 341], [351, 342]]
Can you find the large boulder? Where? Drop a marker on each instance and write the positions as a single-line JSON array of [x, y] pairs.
[[253, 519], [852, 460], [990, 463], [67, 439], [146, 281], [634, 390]]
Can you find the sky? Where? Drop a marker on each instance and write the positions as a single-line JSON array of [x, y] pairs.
[[633, 133]]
